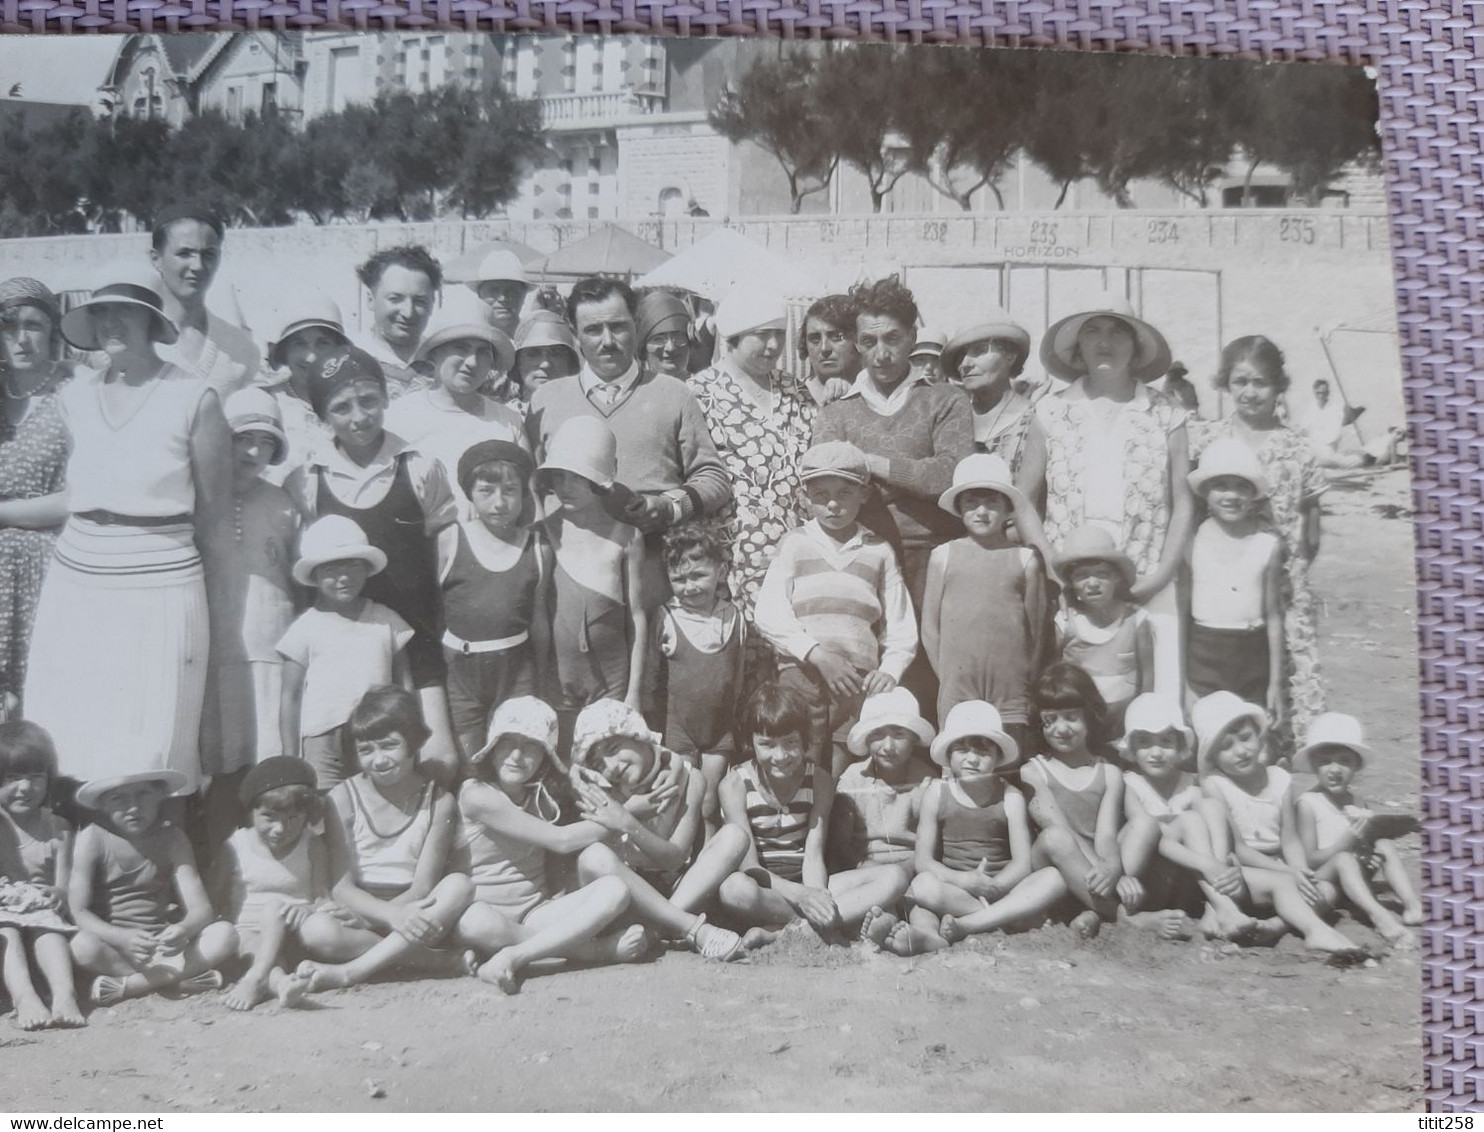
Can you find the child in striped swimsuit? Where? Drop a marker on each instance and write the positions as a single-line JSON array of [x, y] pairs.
[[783, 800]]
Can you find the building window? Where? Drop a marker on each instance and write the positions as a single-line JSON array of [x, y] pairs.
[[672, 203], [234, 103], [268, 104], [435, 62], [343, 64], [592, 212]]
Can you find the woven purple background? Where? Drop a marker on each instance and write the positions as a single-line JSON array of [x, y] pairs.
[[1429, 66]]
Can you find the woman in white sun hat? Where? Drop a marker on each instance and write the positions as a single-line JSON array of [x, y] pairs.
[[1108, 451], [140, 587], [464, 355], [973, 853]]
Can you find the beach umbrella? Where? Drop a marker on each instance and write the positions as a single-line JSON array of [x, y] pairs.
[[714, 264], [610, 250]]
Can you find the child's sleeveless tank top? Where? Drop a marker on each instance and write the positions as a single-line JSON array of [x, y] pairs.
[[1110, 656], [1226, 574], [386, 860], [264, 877], [1079, 806], [1155, 804], [480, 604], [971, 834], [702, 688], [1258, 818], [135, 890], [1330, 822], [508, 874], [38, 855], [888, 816], [409, 584], [778, 829]]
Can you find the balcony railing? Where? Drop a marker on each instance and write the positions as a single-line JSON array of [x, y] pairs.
[[585, 111]]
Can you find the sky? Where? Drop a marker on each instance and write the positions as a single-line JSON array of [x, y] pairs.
[[56, 68]]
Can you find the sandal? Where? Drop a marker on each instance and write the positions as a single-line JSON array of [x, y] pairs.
[[107, 991], [721, 944]]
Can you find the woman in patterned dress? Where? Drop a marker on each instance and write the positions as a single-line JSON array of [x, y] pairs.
[[1109, 452], [33, 461], [1252, 372], [760, 420]]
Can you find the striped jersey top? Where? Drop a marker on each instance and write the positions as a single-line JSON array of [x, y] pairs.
[[778, 828]]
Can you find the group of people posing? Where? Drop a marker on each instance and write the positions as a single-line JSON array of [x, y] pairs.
[[511, 631]]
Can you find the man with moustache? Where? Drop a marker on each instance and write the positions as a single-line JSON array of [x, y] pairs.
[[186, 250]]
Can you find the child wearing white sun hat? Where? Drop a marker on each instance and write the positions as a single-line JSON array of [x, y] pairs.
[[1339, 831], [973, 855], [337, 650]]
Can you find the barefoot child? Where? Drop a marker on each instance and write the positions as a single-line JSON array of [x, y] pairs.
[[1250, 810], [35, 855], [833, 604], [783, 799], [399, 828], [973, 852], [1100, 630], [1335, 827], [144, 921], [1234, 641], [335, 651], [702, 640], [670, 883], [495, 570], [507, 832], [985, 602], [873, 821], [1169, 843], [1077, 799], [599, 630]]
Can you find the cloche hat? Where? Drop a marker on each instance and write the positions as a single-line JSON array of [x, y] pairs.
[[1058, 347]]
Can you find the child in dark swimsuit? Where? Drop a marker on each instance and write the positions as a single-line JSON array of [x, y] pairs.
[[702, 638]]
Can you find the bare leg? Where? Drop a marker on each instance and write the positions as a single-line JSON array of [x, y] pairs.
[[1061, 849], [1224, 918], [1027, 902], [752, 904], [1138, 843], [120, 979], [451, 896], [598, 861], [55, 962], [1282, 893], [1352, 881], [30, 1012], [857, 891], [713, 770], [721, 856], [557, 928], [253, 987], [1396, 876]]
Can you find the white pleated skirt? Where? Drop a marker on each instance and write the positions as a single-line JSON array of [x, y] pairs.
[[119, 649]]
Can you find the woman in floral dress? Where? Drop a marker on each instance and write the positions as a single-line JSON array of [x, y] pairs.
[[1109, 452], [760, 420], [33, 460], [1252, 373]]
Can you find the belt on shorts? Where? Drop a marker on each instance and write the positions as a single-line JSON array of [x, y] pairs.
[[459, 645], [114, 519]]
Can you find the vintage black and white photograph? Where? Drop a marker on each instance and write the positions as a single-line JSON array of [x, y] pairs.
[[551, 572]]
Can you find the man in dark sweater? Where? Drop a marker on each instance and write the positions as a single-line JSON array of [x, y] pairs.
[[913, 434]]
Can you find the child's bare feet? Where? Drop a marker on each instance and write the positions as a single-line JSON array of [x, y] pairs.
[[1396, 933], [246, 993], [1325, 938], [907, 940], [951, 930], [1168, 924], [1131, 892], [107, 991], [1234, 926], [322, 976], [877, 925], [1267, 933], [1412, 915], [1087, 924], [635, 943], [289, 988], [754, 938], [500, 970], [66, 1013], [32, 1014]]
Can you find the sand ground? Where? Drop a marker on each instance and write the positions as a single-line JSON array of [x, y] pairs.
[[1034, 1021]]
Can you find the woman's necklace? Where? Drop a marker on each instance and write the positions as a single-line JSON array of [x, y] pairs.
[[35, 391]]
